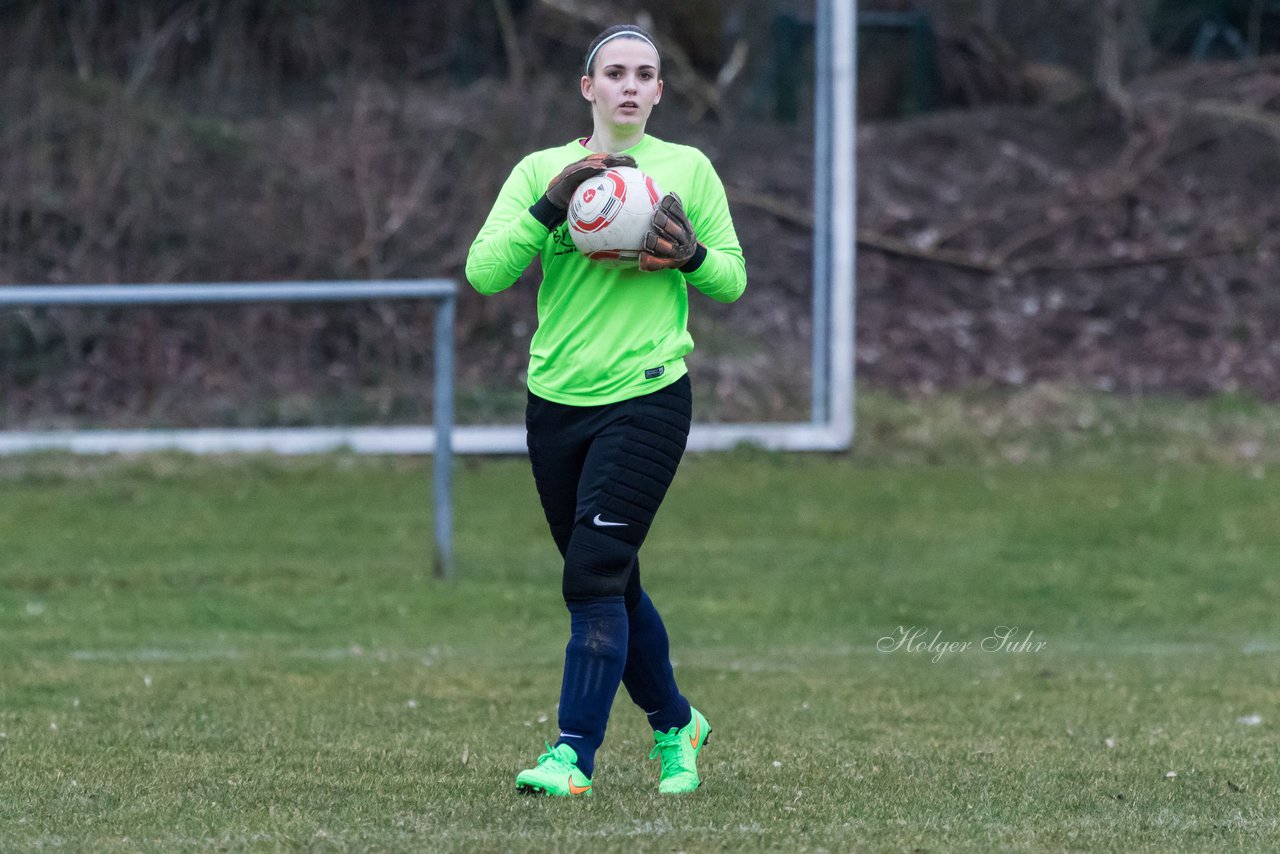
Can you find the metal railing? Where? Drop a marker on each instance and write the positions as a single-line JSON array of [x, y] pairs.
[[436, 439]]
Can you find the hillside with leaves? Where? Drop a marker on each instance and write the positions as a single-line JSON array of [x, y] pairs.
[[1021, 233]]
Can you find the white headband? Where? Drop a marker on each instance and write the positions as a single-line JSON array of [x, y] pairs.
[[631, 33]]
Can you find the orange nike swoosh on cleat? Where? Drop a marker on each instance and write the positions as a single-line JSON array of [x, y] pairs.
[[578, 790], [697, 731]]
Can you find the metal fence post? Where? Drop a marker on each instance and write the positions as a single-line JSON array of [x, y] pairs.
[[414, 439], [442, 465]]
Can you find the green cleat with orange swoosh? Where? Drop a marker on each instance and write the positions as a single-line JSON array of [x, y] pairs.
[[678, 749], [556, 773]]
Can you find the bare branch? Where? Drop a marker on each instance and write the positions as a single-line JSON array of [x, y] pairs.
[[510, 43], [1263, 120], [164, 35], [946, 257], [778, 208]]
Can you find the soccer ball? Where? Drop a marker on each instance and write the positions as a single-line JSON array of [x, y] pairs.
[[610, 214]]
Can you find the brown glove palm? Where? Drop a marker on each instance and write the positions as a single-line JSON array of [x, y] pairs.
[[561, 188], [670, 243]]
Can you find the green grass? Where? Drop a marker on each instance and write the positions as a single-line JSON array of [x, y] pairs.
[[250, 654]]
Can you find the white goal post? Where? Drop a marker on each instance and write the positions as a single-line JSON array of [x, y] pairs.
[[831, 427]]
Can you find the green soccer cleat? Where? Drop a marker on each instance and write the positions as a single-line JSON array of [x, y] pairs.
[[678, 749], [556, 773]]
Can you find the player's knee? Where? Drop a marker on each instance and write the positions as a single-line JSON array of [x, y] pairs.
[[596, 565]]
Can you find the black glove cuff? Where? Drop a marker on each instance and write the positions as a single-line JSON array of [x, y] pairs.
[[546, 212], [699, 255]]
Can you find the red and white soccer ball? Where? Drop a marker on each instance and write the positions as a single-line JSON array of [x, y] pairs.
[[610, 214]]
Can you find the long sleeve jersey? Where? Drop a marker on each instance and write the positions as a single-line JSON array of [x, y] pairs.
[[604, 334]]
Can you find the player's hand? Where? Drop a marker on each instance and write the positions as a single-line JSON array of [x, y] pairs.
[[670, 243], [561, 188]]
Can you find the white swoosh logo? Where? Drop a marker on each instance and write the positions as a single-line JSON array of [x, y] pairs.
[[603, 524]]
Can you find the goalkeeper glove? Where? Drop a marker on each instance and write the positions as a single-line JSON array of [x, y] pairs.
[[670, 243], [561, 188]]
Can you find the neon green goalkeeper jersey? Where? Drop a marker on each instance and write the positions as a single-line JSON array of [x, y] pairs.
[[604, 334]]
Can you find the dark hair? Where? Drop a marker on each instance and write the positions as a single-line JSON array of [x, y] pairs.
[[627, 31]]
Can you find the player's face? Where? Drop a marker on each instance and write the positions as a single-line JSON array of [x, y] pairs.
[[624, 85]]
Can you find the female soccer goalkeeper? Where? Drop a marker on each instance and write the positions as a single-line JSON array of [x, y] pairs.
[[609, 403]]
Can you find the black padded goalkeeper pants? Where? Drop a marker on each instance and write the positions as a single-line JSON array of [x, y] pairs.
[[601, 473]]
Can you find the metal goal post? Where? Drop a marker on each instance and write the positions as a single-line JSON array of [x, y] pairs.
[[436, 439]]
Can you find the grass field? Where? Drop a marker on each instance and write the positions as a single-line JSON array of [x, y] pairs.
[[249, 653]]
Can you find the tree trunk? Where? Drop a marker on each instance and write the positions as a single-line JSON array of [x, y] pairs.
[[1108, 72]]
